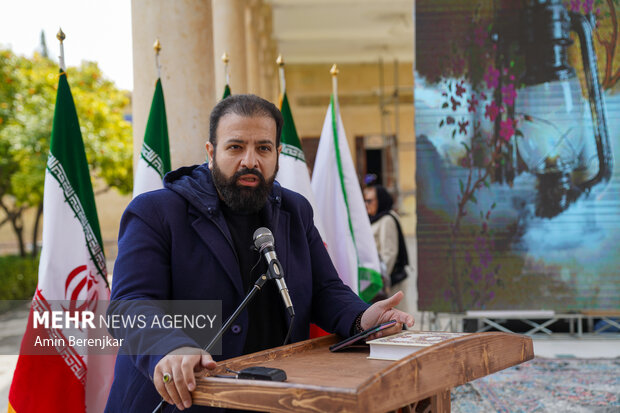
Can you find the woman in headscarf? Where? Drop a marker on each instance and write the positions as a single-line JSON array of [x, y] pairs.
[[387, 232]]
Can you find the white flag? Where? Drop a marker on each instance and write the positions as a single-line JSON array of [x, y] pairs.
[[341, 206]]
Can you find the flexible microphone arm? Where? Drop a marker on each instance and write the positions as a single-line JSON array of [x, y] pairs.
[[263, 241]]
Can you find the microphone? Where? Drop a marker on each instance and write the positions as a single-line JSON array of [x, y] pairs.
[[263, 241]]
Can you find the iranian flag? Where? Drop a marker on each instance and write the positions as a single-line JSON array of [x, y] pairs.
[[154, 160], [341, 207], [72, 279], [293, 173]]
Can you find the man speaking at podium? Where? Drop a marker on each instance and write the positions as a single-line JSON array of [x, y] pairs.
[[192, 241]]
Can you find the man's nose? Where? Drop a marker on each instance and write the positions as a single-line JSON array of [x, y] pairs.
[[249, 159]]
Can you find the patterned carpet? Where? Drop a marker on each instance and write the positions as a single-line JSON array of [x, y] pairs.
[[545, 385]]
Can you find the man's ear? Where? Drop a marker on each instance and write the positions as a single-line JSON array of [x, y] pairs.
[[210, 153], [279, 149]]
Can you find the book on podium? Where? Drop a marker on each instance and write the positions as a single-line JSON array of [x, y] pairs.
[[398, 346]]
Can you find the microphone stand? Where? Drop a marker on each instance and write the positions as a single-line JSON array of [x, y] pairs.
[[257, 286]]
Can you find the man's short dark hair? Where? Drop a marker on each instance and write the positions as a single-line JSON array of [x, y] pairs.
[[247, 106]]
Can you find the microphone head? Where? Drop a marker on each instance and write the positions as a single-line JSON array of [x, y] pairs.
[[262, 238]]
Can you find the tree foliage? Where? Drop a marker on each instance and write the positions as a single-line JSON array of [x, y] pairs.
[[27, 97]]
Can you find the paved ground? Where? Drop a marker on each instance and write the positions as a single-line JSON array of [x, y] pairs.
[[12, 327]]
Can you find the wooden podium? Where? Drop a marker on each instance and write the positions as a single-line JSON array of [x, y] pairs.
[[321, 381]]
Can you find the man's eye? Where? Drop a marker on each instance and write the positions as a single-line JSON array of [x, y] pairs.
[[234, 147], [265, 148]]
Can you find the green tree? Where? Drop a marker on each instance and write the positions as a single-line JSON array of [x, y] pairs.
[[27, 97]]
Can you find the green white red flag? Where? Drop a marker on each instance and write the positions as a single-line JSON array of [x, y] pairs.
[[293, 172], [72, 268], [154, 160]]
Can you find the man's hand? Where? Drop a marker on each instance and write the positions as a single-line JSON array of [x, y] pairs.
[[383, 311], [175, 374]]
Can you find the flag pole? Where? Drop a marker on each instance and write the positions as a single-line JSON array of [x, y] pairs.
[[61, 59], [280, 62], [334, 72], [226, 59], [157, 48]]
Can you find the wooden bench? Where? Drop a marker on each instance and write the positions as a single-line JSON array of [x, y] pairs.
[[611, 318]]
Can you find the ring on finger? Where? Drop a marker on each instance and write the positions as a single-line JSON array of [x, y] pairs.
[[167, 378]]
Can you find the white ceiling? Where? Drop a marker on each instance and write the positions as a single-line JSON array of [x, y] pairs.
[[343, 31]]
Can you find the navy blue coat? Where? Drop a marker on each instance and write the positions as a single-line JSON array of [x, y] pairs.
[[174, 244]]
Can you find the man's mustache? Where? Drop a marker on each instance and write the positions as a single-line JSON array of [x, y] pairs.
[[248, 171]]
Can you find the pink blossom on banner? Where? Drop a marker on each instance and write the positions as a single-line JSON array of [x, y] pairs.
[[463, 127], [475, 274], [575, 5], [485, 258], [455, 103], [509, 94], [473, 102], [491, 112], [587, 6], [460, 89], [492, 77], [506, 129]]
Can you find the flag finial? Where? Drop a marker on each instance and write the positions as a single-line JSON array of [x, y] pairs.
[[226, 59], [157, 48], [60, 35], [280, 62], [334, 70], [61, 59]]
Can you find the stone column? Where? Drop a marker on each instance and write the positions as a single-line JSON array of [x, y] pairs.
[[268, 54], [252, 43], [184, 30], [229, 37]]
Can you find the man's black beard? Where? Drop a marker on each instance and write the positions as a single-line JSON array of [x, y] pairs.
[[241, 198]]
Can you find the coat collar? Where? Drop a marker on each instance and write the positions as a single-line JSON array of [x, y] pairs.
[[195, 184]]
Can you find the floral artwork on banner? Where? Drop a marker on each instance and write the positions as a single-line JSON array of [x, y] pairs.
[[515, 211]]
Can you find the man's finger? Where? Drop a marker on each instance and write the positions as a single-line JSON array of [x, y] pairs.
[[187, 367], [158, 380], [207, 361], [181, 386], [171, 388], [405, 318], [394, 300]]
